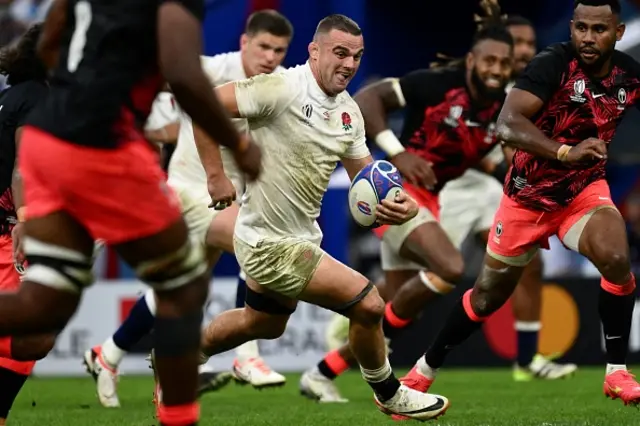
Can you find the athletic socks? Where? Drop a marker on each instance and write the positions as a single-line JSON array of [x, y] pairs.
[[332, 365], [392, 324], [527, 339], [382, 380], [462, 322], [179, 415], [615, 306], [138, 324]]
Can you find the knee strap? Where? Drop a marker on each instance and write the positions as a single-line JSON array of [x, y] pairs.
[[174, 270], [343, 309], [263, 303]]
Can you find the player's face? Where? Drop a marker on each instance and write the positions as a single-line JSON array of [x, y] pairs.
[[524, 47], [490, 65], [594, 32], [337, 56], [262, 53]]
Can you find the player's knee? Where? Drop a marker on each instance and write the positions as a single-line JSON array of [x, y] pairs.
[[613, 263], [452, 269], [32, 348], [262, 325], [370, 310], [184, 266]]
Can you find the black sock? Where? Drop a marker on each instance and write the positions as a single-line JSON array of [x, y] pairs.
[[456, 330], [616, 314], [386, 389], [325, 370], [12, 382]]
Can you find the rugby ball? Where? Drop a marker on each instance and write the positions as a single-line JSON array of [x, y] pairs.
[[375, 182]]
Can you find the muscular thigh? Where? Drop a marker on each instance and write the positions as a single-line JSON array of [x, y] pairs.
[[429, 246]]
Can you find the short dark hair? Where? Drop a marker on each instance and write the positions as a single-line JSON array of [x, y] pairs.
[[338, 22], [517, 21], [269, 21], [613, 4], [20, 62]]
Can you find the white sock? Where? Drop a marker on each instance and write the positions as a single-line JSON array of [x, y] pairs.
[[612, 368], [247, 351], [111, 353], [425, 370], [150, 299], [377, 375], [528, 325], [205, 368]]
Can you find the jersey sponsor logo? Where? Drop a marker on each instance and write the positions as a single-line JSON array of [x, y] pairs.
[[578, 91], [346, 121], [455, 112], [307, 112]]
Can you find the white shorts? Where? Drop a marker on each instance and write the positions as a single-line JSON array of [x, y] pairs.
[[468, 205], [393, 239]]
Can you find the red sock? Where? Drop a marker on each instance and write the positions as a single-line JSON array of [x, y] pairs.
[[333, 365], [5, 347], [6, 362], [179, 415]]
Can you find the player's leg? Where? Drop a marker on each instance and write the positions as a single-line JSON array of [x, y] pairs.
[[248, 366], [512, 245], [337, 287], [595, 228], [17, 354]]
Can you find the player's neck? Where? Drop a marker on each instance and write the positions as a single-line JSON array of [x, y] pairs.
[[316, 75], [603, 71], [245, 67]]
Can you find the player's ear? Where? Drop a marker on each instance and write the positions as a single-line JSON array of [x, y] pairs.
[[469, 60], [620, 31], [314, 50], [244, 40]]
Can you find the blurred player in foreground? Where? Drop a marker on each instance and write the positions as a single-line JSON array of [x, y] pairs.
[[27, 77], [464, 213], [575, 92], [307, 122], [263, 48], [88, 173], [449, 126]]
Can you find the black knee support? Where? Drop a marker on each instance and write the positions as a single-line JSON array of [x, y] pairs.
[[12, 382], [343, 309], [262, 303], [177, 336]]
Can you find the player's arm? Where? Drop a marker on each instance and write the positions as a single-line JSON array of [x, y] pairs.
[[180, 46], [257, 97], [167, 134], [221, 189], [49, 43], [379, 99]]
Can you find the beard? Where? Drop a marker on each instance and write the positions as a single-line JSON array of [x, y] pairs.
[[596, 66], [485, 92]]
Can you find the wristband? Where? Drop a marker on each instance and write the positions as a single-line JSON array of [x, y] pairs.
[[563, 152], [21, 213], [389, 143]]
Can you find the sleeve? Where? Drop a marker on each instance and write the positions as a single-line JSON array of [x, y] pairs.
[[423, 87], [163, 112], [358, 148], [214, 69], [263, 95], [31, 97], [543, 75]]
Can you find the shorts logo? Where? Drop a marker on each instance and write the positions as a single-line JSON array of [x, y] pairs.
[[498, 229], [578, 88]]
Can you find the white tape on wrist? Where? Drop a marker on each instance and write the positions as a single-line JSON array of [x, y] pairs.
[[389, 143]]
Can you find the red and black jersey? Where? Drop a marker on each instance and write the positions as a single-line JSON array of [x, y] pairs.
[[444, 124], [16, 103], [108, 75], [576, 107]]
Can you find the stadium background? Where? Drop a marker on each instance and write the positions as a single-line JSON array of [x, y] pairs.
[[398, 39]]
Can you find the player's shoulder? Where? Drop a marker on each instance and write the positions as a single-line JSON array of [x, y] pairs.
[[557, 54], [25, 93], [449, 76], [626, 62], [223, 67]]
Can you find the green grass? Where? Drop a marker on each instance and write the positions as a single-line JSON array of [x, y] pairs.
[[478, 397]]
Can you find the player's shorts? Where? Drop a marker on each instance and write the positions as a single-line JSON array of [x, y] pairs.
[[394, 236], [118, 195], [468, 205], [10, 278], [518, 232], [284, 265]]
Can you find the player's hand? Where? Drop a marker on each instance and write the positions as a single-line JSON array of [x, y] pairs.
[[249, 158], [402, 209], [587, 151], [221, 190], [417, 171], [17, 236]]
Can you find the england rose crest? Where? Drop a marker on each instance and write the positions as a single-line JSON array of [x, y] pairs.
[[346, 121]]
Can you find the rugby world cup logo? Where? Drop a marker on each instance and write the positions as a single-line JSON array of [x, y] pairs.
[[384, 176]]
